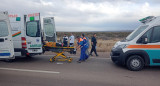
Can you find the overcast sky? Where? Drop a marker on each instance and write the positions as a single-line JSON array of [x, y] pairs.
[[87, 15]]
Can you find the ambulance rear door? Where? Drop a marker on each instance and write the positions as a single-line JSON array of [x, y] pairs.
[[6, 42], [49, 29], [33, 33]]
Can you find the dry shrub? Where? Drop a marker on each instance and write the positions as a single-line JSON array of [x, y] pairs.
[[105, 45]]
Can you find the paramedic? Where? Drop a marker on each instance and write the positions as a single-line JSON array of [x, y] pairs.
[[80, 45], [85, 46], [93, 43], [65, 40], [71, 40]]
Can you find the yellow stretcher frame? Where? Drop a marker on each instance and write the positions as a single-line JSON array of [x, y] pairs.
[[64, 58], [60, 53]]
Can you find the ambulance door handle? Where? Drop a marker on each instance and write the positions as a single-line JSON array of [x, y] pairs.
[[6, 38]]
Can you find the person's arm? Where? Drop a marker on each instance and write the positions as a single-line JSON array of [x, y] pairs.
[[78, 47], [92, 41], [67, 38], [80, 44]]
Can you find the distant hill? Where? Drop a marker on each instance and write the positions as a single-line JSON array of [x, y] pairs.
[[105, 35]]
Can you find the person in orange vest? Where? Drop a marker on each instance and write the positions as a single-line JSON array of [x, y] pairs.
[[85, 46], [80, 45]]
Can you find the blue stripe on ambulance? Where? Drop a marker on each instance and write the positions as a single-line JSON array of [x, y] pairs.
[[153, 54], [5, 54]]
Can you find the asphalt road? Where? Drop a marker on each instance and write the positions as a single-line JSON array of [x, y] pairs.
[[38, 71]]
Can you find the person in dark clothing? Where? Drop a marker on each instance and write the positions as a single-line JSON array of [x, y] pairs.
[[93, 43], [65, 40]]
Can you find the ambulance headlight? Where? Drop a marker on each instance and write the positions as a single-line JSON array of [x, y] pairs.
[[122, 46]]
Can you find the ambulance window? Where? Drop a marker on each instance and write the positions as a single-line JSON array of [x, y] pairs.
[[147, 34], [3, 29], [32, 29], [49, 29], [156, 34], [136, 33]]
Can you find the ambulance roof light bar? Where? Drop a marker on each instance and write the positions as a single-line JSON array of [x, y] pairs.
[[147, 19]]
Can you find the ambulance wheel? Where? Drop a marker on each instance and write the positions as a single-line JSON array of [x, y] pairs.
[[135, 63]]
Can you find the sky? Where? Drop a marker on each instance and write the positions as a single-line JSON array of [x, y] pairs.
[[87, 15]]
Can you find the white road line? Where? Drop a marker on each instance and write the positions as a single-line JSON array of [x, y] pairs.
[[27, 70], [59, 63]]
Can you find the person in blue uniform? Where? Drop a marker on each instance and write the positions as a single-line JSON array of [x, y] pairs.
[[80, 45], [85, 46]]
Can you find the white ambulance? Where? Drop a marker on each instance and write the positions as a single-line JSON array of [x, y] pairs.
[[141, 48], [33, 34], [6, 42], [18, 33], [26, 33]]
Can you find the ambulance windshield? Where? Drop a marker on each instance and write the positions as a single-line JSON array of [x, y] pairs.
[[33, 29], [136, 33]]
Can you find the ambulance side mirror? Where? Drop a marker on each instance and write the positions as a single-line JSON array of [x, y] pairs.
[[144, 40]]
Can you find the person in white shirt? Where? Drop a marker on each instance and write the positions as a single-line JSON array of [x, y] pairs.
[[71, 40], [65, 40]]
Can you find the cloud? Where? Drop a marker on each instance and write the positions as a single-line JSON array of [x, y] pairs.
[[83, 15]]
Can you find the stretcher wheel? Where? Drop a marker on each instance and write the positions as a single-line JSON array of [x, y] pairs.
[[52, 59], [70, 60]]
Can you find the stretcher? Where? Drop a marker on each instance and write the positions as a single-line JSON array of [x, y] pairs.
[[59, 50]]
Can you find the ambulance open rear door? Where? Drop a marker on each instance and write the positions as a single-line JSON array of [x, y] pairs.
[[49, 29]]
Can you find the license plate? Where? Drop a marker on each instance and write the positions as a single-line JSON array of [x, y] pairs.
[[34, 50]]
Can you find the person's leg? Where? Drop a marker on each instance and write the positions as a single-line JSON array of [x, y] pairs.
[[81, 56], [91, 50], [71, 44], [95, 51], [86, 54]]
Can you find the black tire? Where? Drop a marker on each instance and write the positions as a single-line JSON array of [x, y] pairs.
[[135, 63]]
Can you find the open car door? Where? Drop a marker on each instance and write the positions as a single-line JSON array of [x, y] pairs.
[[49, 29], [6, 42]]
